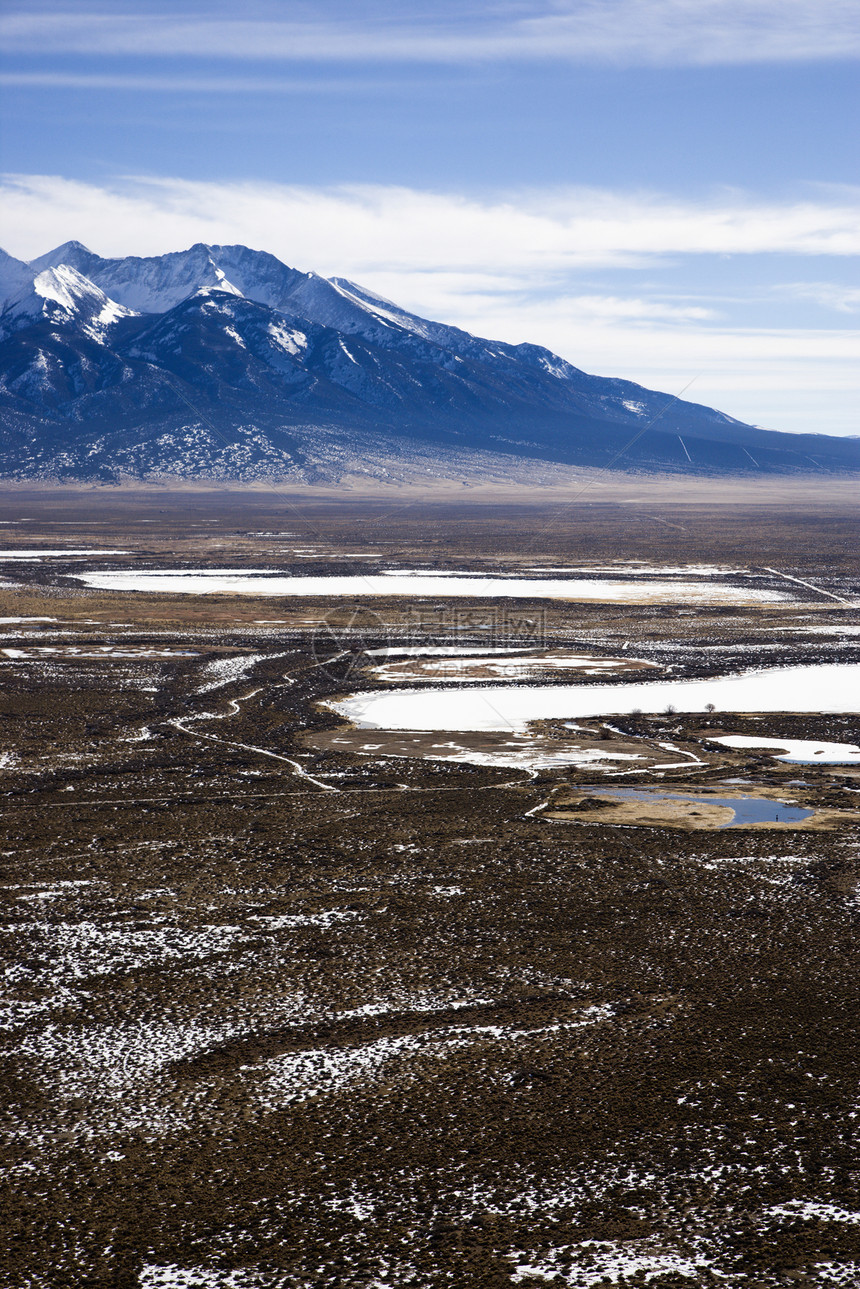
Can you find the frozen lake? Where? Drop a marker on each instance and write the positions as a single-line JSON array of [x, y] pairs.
[[17, 553], [817, 688], [796, 750], [441, 586]]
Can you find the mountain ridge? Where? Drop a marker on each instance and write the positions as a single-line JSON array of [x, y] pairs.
[[221, 358]]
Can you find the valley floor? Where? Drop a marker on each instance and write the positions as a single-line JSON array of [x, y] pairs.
[[290, 1002]]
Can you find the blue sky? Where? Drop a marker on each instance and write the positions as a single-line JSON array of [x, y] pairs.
[[659, 189]]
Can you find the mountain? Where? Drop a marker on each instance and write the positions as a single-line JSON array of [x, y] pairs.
[[15, 276], [221, 361], [64, 298]]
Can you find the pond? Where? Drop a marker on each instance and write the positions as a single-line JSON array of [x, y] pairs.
[[747, 810]]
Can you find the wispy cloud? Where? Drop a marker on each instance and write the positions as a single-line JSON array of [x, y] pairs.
[[655, 32], [830, 295], [528, 266], [531, 235], [178, 83]]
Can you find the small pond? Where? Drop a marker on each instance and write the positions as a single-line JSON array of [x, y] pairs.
[[747, 810]]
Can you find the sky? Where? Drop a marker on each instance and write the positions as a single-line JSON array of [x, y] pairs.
[[664, 190]]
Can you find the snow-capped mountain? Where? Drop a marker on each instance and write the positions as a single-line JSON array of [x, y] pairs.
[[63, 297], [221, 360]]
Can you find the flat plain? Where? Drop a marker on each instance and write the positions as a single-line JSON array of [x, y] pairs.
[[292, 1000]]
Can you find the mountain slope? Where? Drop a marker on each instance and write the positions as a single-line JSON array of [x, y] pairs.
[[221, 360]]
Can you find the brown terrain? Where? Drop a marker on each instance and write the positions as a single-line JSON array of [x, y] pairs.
[[290, 1003]]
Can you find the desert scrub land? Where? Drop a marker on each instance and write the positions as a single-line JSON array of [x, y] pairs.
[[294, 1001]]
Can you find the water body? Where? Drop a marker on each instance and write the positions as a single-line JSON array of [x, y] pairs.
[[821, 687], [439, 586], [18, 553], [747, 810], [796, 751]]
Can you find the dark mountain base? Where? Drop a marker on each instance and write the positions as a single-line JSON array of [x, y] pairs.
[[164, 449]]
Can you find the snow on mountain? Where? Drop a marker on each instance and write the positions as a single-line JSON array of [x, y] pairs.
[[109, 363], [222, 286], [63, 295], [156, 283], [337, 303], [360, 308]]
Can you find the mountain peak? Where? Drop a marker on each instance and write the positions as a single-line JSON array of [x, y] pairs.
[[68, 253], [67, 297], [157, 283]]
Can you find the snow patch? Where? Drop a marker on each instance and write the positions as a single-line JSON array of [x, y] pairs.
[[289, 339], [172, 1277], [810, 1210], [224, 671], [595, 1261]]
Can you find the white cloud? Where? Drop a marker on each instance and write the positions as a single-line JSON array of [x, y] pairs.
[[675, 32], [830, 295], [511, 267], [372, 229]]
